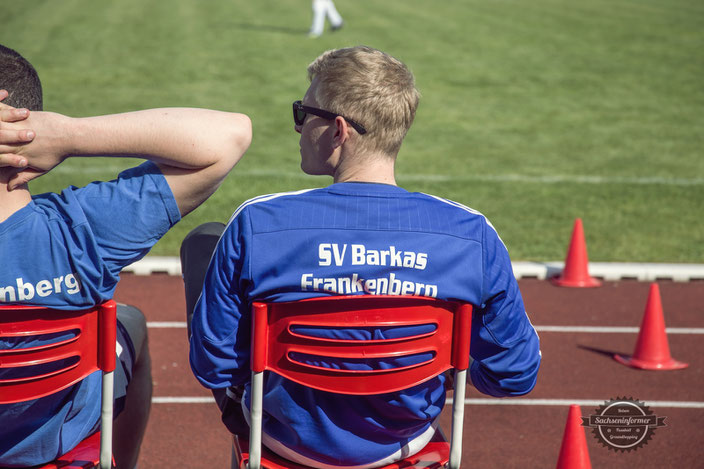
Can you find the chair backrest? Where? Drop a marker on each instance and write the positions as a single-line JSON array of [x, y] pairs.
[[64, 348], [87, 344], [284, 341], [278, 344]]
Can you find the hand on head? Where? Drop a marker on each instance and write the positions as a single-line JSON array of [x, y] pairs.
[[11, 136], [16, 149]]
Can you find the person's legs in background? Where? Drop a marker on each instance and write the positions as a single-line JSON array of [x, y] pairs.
[[333, 16], [319, 9], [196, 250]]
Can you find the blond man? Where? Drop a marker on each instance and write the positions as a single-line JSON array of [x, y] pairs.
[[361, 235]]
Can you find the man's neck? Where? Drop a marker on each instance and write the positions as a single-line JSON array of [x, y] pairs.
[[377, 169], [12, 201]]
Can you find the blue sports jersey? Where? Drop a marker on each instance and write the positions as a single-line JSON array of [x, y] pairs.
[[359, 238], [66, 251]]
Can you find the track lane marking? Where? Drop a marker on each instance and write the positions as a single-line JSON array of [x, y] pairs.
[[580, 402], [568, 329], [616, 330], [473, 401], [608, 271], [182, 400], [166, 324]]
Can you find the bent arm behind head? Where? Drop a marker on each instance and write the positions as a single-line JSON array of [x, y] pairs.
[[194, 148]]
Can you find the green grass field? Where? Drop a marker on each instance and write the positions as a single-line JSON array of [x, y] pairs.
[[534, 113]]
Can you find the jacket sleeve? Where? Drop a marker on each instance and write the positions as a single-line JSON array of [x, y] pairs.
[[220, 328], [505, 346]]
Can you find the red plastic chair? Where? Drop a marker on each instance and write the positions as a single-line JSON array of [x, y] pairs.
[[273, 341], [92, 348]]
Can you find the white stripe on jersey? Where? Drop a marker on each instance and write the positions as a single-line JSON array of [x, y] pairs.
[[467, 209], [264, 198], [254, 200]]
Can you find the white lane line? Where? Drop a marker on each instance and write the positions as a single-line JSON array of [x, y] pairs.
[[579, 402], [569, 329], [475, 401], [166, 324], [182, 400], [617, 330], [609, 271]]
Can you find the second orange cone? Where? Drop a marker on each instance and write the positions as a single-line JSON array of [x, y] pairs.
[[576, 270]]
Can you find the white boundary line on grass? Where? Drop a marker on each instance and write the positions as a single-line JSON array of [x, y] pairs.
[[609, 271], [473, 401], [553, 179], [522, 178], [549, 179]]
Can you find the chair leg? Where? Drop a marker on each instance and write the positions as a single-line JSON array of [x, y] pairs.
[[457, 419], [106, 421], [256, 411]]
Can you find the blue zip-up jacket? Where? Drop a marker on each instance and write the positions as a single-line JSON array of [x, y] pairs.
[[359, 238]]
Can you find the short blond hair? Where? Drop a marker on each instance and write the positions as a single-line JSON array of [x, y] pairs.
[[370, 87]]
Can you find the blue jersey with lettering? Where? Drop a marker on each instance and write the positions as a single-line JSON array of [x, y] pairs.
[[359, 238], [66, 251]]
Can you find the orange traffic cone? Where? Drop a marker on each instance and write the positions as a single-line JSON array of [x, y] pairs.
[[576, 270], [652, 350], [573, 451]]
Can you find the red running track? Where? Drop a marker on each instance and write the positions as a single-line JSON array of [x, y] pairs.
[[576, 367]]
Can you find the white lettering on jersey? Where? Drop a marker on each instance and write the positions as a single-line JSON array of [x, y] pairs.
[[26, 291]]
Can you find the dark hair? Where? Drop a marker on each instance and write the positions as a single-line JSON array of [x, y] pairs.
[[20, 79]]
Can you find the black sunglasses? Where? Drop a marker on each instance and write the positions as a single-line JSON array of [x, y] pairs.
[[300, 112]]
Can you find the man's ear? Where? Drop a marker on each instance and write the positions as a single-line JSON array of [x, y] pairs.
[[342, 132]]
